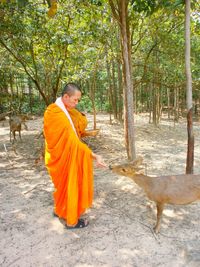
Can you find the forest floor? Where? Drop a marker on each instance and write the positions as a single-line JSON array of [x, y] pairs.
[[121, 221]]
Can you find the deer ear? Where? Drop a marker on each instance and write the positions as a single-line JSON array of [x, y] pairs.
[[140, 170], [137, 162]]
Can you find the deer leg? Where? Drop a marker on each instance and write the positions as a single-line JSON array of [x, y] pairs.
[[14, 135], [160, 207], [20, 135]]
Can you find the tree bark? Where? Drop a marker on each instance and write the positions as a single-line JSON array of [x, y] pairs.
[[190, 146], [110, 92], [30, 95], [127, 79], [115, 98], [120, 90]]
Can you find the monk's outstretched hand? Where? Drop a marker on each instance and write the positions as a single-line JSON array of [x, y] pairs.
[[99, 160]]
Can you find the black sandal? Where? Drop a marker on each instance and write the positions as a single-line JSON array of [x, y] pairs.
[[81, 224]]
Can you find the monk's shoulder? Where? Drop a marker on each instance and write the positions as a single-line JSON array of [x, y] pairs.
[[55, 117], [53, 108], [53, 112]]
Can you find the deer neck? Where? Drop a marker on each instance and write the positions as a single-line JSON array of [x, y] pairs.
[[142, 180]]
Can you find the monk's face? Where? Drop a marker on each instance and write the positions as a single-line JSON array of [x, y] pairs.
[[71, 101]]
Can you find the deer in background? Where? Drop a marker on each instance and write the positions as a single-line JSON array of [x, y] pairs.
[[173, 189], [15, 123]]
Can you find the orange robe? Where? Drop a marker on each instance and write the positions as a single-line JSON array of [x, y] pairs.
[[69, 162], [79, 120]]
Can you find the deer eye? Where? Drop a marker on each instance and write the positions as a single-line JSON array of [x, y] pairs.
[[123, 170]]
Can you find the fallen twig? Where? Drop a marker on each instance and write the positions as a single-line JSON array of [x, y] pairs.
[[40, 134]]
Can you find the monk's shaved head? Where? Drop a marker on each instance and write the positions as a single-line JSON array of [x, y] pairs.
[[70, 89], [71, 95]]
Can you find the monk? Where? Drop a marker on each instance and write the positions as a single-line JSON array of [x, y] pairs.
[[69, 161]]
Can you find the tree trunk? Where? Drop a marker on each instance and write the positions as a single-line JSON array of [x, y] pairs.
[[115, 99], [11, 87], [110, 92], [92, 97], [110, 113], [176, 104], [150, 101], [128, 83], [30, 95], [120, 13], [190, 147], [168, 103], [120, 90]]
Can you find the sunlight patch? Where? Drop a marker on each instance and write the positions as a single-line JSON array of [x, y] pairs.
[[57, 227], [127, 187], [171, 213]]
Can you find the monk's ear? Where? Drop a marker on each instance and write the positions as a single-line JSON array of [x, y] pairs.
[[66, 96]]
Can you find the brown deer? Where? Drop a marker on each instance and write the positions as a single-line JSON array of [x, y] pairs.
[[172, 189], [15, 123]]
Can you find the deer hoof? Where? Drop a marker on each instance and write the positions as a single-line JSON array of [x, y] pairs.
[[156, 229]]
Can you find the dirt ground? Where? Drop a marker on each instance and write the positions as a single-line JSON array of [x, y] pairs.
[[121, 220]]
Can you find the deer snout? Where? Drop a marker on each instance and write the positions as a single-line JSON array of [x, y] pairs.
[[110, 167]]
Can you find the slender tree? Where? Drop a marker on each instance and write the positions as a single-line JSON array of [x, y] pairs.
[[120, 13], [190, 147]]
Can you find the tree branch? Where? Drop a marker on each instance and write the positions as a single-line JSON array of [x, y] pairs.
[[115, 11], [25, 69]]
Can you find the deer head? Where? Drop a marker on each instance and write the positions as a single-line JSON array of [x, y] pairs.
[[128, 169]]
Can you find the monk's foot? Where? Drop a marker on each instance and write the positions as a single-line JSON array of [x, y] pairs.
[[81, 224]]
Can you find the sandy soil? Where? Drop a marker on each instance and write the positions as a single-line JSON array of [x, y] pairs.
[[120, 231]]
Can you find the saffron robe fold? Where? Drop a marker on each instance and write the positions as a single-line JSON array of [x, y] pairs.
[[79, 120], [69, 163]]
